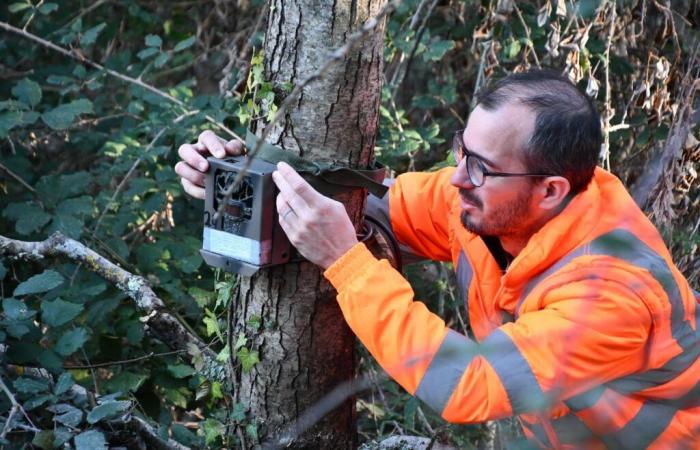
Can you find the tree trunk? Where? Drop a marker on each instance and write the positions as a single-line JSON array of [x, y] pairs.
[[305, 347]]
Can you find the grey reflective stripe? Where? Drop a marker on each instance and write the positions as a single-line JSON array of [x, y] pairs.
[[585, 400], [445, 370], [569, 430], [516, 375], [464, 277], [646, 426]]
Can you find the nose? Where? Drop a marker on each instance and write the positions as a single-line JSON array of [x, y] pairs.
[[460, 177]]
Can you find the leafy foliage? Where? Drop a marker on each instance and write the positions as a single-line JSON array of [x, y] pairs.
[[94, 150]]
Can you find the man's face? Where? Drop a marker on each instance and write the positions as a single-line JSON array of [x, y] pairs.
[[502, 206]]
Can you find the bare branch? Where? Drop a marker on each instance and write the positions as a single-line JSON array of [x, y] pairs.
[[163, 325]]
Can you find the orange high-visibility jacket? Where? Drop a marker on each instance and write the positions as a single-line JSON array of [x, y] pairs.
[[591, 335]]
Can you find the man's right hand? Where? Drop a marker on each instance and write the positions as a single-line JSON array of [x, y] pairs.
[[194, 165]]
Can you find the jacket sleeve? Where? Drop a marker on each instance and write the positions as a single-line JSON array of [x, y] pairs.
[[419, 208], [545, 356]]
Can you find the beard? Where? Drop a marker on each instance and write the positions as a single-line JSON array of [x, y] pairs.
[[509, 219]]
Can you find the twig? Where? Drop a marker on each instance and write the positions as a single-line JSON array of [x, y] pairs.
[[18, 178], [608, 108], [527, 33], [82, 13], [81, 58], [164, 325], [337, 55], [31, 18], [122, 362], [15, 406]]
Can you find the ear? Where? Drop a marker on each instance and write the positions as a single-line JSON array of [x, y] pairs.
[[554, 191]]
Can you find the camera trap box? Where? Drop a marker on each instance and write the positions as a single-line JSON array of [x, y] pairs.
[[246, 236]]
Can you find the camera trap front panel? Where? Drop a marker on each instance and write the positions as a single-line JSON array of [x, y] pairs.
[[246, 236]]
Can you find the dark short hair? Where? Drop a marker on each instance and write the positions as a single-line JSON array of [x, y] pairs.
[[567, 138]]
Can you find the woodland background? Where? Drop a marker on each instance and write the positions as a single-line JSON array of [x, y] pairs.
[[95, 98]]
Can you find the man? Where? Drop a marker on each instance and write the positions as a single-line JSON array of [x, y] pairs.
[[583, 326]]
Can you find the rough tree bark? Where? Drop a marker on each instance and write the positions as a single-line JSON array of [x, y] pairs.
[[305, 347]]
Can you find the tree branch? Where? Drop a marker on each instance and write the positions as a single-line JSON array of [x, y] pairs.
[[162, 324]]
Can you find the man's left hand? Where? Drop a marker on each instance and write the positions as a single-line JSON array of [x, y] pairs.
[[319, 227]]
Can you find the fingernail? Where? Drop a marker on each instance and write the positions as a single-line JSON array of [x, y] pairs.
[[202, 166]]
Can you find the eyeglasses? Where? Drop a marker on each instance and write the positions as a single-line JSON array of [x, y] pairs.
[[475, 166]]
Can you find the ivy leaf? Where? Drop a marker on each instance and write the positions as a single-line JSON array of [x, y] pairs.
[[107, 409], [247, 358], [161, 60], [43, 282], [68, 415], [63, 116], [30, 385], [90, 36], [65, 381], [90, 440], [16, 310], [153, 40], [48, 8], [71, 341], [27, 91], [180, 370], [59, 312], [184, 44]]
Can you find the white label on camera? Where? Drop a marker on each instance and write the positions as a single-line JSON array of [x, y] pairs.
[[227, 244]]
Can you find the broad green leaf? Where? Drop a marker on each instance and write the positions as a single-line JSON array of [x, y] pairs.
[[71, 341], [50, 360], [30, 385], [32, 220], [16, 310], [48, 8], [107, 409], [90, 36], [17, 330], [3, 270], [161, 60], [180, 370], [35, 402], [61, 436], [90, 440], [43, 282], [513, 49], [213, 430], [247, 358], [77, 206], [58, 80], [27, 91], [184, 44], [66, 414], [19, 6], [11, 119], [59, 312], [125, 382], [43, 440], [53, 188], [437, 50], [67, 224], [63, 115], [153, 40], [65, 381], [252, 431], [148, 52]]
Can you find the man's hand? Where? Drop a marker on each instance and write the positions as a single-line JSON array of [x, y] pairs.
[[319, 227], [194, 163]]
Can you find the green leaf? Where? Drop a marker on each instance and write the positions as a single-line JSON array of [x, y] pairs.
[[71, 341], [161, 60], [213, 429], [66, 414], [184, 44], [50, 360], [35, 402], [153, 40], [27, 91], [180, 370], [43, 440], [59, 312], [48, 8], [63, 116], [30, 385], [247, 358], [32, 220], [77, 206], [147, 52], [66, 224], [90, 36], [16, 310], [107, 409], [3, 270], [90, 440], [65, 382], [125, 382], [252, 431], [437, 50], [19, 6], [43, 282], [61, 436]]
